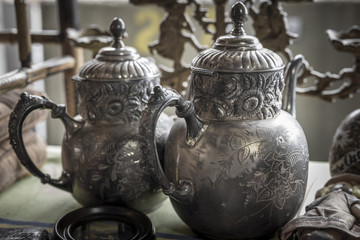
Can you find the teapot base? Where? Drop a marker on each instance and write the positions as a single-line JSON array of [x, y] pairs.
[[145, 203]]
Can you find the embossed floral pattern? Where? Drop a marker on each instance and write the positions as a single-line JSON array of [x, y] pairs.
[[114, 101], [210, 101], [237, 96]]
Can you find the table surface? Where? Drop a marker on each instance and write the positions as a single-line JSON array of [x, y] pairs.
[[28, 203]]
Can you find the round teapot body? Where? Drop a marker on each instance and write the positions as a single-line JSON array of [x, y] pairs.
[[248, 177], [106, 166]]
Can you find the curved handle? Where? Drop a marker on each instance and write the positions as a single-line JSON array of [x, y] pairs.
[[292, 71], [23, 108], [159, 100]]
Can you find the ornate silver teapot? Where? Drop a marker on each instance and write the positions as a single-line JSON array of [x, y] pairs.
[[102, 162], [235, 164]]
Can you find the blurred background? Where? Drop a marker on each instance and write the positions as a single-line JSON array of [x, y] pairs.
[[318, 118]]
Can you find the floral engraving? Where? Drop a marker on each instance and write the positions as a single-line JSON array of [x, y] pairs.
[[114, 101], [284, 183], [237, 96], [116, 170], [271, 164]]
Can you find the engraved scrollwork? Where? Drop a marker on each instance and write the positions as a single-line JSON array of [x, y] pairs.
[[281, 181], [105, 170], [234, 96], [274, 180]]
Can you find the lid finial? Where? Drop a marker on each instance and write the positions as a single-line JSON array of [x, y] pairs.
[[118, 30], [239, 15]]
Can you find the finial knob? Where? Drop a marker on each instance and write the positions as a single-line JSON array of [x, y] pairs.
[[239, 15], [118, 30]]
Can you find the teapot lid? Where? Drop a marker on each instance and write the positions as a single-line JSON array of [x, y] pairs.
[[237, 52], [118, 62]]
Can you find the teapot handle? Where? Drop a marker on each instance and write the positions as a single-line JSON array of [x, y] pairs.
[[159, 100], [292, 73], [23, 108]]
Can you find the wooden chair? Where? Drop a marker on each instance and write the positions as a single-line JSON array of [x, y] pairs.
[[68, 63]]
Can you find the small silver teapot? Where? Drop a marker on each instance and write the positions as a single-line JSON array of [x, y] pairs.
[[235, 164], [102, 162]]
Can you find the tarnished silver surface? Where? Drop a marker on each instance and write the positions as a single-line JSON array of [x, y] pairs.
[[235, 96], [118, 62], [344, 156], [102, 160], [237, 78], [236, 166], [250, 174]]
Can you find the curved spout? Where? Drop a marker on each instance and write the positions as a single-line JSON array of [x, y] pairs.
[[291, 74]]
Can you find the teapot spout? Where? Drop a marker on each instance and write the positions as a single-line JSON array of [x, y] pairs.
[[292, 71]]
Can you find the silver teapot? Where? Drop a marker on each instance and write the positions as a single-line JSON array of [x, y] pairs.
[[235, 164], [101, 158]]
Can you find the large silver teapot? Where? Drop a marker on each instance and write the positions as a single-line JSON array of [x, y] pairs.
[[102, 162], [235, 164]]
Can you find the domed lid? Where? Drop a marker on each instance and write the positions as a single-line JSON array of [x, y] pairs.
[[118, 62], [237, 52]]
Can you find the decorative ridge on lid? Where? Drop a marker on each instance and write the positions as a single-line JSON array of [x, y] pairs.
[[118, 62], [237, 51]]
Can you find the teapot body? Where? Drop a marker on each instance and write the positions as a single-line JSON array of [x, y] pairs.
[[249, 177], [106, 165]]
